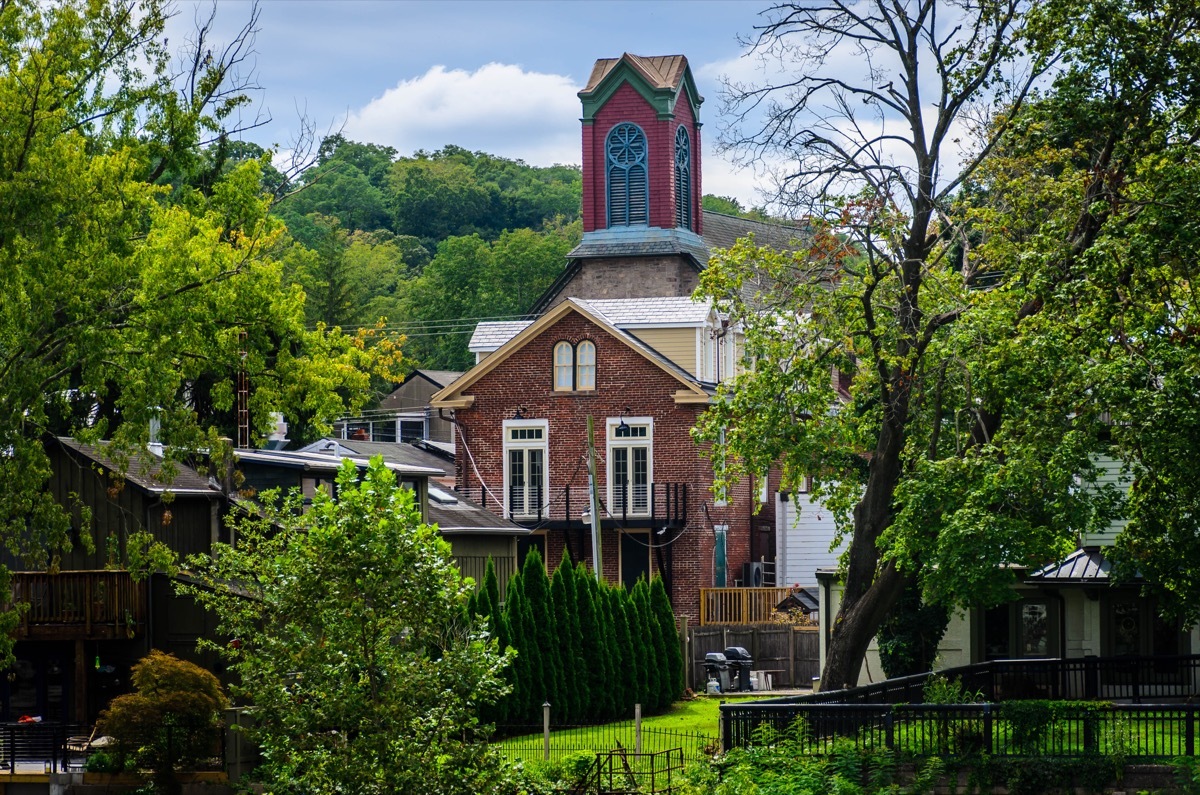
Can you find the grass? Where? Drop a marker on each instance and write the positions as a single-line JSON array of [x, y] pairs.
[[692, 725]]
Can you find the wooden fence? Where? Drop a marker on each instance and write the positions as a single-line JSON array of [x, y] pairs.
[[791, 653]]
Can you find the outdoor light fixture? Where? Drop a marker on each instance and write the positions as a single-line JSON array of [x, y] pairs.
[[519, 415], [622, 426]]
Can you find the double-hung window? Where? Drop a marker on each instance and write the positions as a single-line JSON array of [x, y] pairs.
[[526, 476], [630, 465]]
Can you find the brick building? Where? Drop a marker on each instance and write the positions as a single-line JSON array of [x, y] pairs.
[[618, 339], [523, 415]]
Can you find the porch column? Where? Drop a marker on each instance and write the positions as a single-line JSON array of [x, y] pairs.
[[80, 710]]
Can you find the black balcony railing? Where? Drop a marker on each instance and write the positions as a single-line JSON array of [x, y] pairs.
[[636, 505]]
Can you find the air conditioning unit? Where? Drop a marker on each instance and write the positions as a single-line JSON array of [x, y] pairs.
[[754, 574]]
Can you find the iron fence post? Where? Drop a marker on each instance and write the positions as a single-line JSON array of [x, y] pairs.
[[889, 722], [546, 731], [1189, 731], [987, 728]]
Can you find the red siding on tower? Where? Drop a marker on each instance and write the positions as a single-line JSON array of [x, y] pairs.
[[627, 105]]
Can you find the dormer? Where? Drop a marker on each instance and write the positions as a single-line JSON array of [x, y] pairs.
[[641, 152]]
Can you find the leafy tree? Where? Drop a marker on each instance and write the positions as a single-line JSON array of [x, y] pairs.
[[123, 297], [171, 720], [921, 472], [908, 638], [1008, 319], [352, 650], [728, 205]]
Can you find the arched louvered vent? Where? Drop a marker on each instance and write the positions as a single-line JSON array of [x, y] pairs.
[[628, 202], [683, 179]]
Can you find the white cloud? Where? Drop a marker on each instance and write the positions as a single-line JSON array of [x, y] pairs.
[[499, 108]]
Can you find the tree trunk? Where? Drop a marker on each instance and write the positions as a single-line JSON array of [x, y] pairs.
[[856, 624]]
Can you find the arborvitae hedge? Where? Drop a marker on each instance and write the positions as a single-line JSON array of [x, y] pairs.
[[544, 629], [591, 649], [647, 627], [572, 691], [661, 605]]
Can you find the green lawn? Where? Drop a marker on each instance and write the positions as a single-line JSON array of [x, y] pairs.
[[692, 725]]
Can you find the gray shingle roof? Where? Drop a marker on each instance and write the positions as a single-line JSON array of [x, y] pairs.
[[490, 335], [462, 516], [648, 311], [145, 469], [722, 231]]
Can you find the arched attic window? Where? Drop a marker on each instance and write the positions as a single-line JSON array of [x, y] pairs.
[[575, 366], [683, 178], [564, 367], [628, 201], [585, 365]]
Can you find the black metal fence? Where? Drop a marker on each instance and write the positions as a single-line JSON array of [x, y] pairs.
[[40, 747], [1134, 679], [1061, 728], [1072, 716]]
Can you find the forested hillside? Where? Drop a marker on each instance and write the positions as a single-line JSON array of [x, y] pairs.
[[429, 243]]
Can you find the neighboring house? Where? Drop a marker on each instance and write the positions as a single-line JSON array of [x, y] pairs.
[[88, 620], [805, 534], [475, 534], [1067, 608], [523, 411], [405, 414]]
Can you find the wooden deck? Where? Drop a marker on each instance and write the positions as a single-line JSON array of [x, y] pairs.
[[79, 605]]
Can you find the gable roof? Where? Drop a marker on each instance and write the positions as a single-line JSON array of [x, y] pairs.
[[661, 71], [145, 469], [1087, 565], [693, 391], [660, 79]]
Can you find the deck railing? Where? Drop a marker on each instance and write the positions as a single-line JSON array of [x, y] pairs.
[[91, 604], [740, 605]]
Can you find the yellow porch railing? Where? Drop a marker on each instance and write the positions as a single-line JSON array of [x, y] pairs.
[[740, 605]]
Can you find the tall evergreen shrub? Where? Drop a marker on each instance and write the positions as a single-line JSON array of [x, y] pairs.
[[543, 630], [673, 681]]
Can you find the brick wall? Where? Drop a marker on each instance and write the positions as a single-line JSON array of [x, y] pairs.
[[625, 382]]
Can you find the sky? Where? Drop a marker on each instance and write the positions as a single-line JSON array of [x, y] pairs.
[[498, 76]]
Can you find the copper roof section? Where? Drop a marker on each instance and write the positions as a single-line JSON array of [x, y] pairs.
[[660, 71]]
